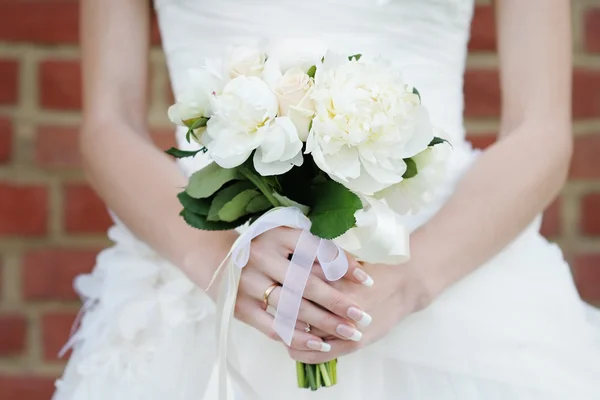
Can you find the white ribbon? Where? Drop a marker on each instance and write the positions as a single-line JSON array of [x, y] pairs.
[[309, 248]]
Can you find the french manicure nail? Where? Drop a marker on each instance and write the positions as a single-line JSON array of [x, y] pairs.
[[363, 277], [320, 346], [348, 332], [362, 318]]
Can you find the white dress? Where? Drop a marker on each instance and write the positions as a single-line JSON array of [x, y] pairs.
[[514, 329]]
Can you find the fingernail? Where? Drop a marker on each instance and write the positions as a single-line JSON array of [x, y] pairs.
[[349, 332], [363, 277], [362, 318], [320, 346]]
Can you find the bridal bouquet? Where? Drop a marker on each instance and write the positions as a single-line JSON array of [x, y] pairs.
[[346, 141]]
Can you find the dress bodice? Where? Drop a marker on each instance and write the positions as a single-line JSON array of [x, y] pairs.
[[427, 38]]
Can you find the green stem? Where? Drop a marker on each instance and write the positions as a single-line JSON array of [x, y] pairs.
[[262, 186], [312, 379], [300, 373], [318, 374], [325, 374]]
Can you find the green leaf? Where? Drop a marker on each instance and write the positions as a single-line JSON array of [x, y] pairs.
[[355, 57], [224, 196], [197, 206], [312, 71], [411, 168], [437, 140], [195, 123], [200, 222], [415, 91], [236, 208], [286, 202], [258, 204], [333, 210], [208, 180], [183, 153]]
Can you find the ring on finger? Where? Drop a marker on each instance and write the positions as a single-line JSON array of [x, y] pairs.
[[268, 292], [308, 328]]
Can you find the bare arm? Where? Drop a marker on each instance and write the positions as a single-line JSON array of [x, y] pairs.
[[516, 178], [136, 180]]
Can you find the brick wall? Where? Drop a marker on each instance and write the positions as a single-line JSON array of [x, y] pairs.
[[52, 224]]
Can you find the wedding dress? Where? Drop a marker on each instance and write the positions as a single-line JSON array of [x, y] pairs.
[[514, 329]]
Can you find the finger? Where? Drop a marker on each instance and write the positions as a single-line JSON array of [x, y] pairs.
[[250, 312], [339, 348], [355, 273], [325, 321]]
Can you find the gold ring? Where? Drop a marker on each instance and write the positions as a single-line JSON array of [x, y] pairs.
[[308, 328], [268, 292]]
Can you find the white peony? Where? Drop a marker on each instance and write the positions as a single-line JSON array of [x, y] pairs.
[[411, 195], [367, 121], [379, 235], [293, 90], [244, 120], [196, 99], [246, 61]]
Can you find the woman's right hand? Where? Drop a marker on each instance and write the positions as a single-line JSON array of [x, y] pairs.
[[329, 312]]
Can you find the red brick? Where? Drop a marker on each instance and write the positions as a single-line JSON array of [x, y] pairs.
[[39, 21], [57, 146], [483, 29], [592, 30], [84, 211], [13, 335], [482, 93], [56, 329], [6, 135], [482, 141], [48, 274], [585, 163], [590, 214], [587, 276], [9, 81], [60, 84], [26, 387], [551, 226], [586, 89], [23, 210]]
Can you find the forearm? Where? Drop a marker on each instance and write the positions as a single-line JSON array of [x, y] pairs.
[[140, 184], [509, 184]]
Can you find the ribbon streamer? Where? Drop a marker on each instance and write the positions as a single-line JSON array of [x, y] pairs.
[[309, 248]]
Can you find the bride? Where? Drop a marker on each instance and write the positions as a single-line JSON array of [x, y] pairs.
[[485, 309]]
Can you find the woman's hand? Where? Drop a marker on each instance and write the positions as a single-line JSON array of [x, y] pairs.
[[328, 310], [398, 292]]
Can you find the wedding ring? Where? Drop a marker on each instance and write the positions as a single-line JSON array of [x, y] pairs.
[[268, 292], [308, 328]]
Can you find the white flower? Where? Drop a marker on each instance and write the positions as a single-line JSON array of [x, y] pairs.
[[246, 61], [367, 121], [378, 237], [195, 100], [280, 150], [293, 90], [411, 195], [245, 119]]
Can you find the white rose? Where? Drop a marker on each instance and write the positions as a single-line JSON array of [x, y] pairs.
[[293, 90], [367, 121], [196, 99], [280, 150], [241, 118], [245, 61], [411, 195], [379, 236]]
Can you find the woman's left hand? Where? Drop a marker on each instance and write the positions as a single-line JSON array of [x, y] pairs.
[[397, 292]]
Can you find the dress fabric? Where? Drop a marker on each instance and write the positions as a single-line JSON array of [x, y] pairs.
[[514, 329]]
